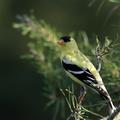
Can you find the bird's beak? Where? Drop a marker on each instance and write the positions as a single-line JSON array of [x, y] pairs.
[[61, 42]]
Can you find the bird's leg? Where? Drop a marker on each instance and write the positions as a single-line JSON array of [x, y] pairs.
[[82, 95]]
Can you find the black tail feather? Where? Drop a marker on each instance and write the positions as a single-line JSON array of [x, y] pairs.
[[107, 97]]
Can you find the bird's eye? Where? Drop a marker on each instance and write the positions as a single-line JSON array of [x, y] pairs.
[[65, 38]]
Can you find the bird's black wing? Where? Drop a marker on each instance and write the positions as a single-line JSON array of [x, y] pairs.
[[83, 74]]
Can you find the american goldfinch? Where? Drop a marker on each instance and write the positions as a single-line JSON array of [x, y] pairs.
[[79, 68]]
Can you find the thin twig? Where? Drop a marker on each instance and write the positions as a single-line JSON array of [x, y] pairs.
[[66, 100], [96, 114]]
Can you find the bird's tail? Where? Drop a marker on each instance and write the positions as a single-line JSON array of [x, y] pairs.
[[108, 99]]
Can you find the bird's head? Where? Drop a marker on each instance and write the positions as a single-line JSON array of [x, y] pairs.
[[67, 43]]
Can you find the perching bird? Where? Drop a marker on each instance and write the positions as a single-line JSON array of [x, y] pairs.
[[79, 68]]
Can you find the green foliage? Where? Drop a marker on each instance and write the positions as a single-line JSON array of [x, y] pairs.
[[44, 53]]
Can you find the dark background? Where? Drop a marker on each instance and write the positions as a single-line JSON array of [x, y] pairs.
[[20, 84]]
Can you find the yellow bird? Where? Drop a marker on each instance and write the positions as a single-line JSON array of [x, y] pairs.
[[79, 68]]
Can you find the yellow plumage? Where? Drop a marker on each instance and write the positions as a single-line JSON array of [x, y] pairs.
[[77, 65]]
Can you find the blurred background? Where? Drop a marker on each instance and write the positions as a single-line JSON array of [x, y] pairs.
[[20, 83]]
